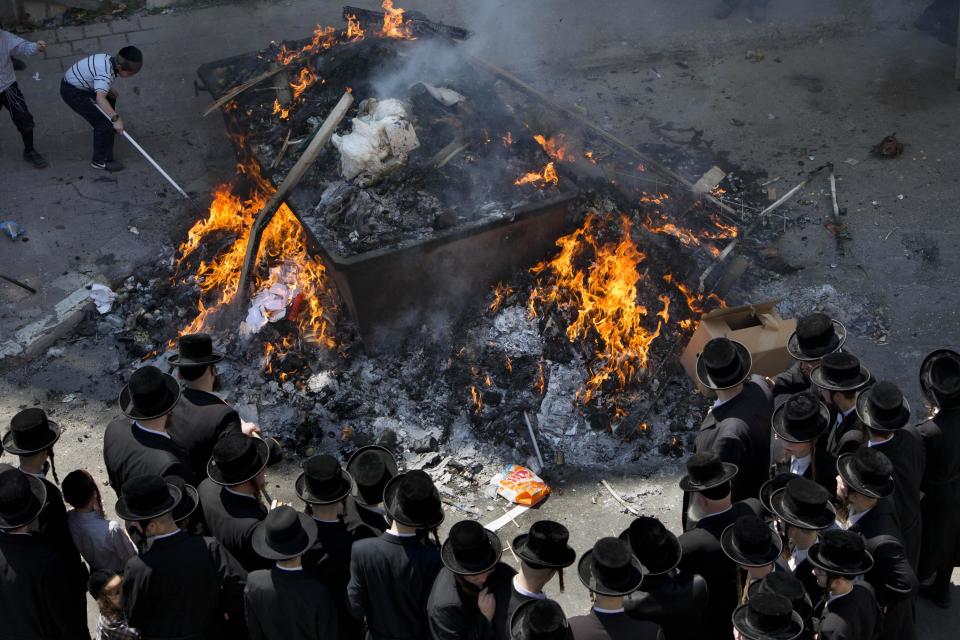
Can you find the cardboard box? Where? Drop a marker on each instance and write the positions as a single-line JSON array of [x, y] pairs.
[[758, 326]]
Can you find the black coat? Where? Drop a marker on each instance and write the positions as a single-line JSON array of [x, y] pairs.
[[791, 381], [181, 586], [846, 436], [501, 619], [941, 493], [822, 468], [129, 451], [452, 609], [850, 617], [804, 573], [906, 452], [35, 583], [390, 582], [329, 560], [675, 601], [197, 421], [362, 522], [288, 605], [739, 432], [231, 519], [612, 626]]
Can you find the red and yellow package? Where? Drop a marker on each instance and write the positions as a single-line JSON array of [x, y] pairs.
[[522, 486]]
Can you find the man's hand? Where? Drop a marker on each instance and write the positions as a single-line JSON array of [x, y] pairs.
[[118, 126], [41, 46], [249, 428], [487, 604], [112, 94]]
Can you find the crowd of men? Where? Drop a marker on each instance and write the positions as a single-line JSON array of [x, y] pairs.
[[817, 503]]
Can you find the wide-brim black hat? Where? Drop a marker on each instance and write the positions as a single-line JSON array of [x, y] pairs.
[[188, 503], [836, 341], [871, 418], [274, 548], [31, 431], [546, 545], [131, 513], [482, 559], [797, 431], [862, 379], [743, 371], [736, 550], [195, 349], [595, 582], [660, 550], [371, 494], [427, 515], [771, 486], [26, 498], [787, 585], [251, 467], [949, 388], [342, 488], [854, 479], [724, 473], [852, 567], [167, 398], [750, 624], [786, 510], [539, 613]]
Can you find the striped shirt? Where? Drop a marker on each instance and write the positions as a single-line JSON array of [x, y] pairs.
[[94, 73], [12, 45]]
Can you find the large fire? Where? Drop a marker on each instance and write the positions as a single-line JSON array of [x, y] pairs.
[[540, 178], [393, 24]]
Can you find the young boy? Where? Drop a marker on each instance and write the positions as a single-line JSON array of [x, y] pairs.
[[103, 543], [10, 95], [105, 587]]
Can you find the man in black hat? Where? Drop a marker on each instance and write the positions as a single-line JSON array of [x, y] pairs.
[[391, 575], [371, 468], [767, 616], [839, 377], [885, 413], [36, 581], [231, 496], [785, 585], [324, 487], [186, 513], [849, 611], [611, 572], [737, 427], [539, 619], [940, 548], [139, 444], [285, 602], [668, 596], [181, 585], [800, 424], [472, 586], [817, 335], [754, 547], [865, 484]]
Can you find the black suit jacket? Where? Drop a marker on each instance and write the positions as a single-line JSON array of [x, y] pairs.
[[390, 582], [850, 617], [940, 485], [129, 451], [612, 626], [362, 522], [231, 519], [846, 436], [35, 584], [329, 561], [181, 586], [791, 381], [288, 605], [452, 610], [905, 450], [197, 421], [675, 601]]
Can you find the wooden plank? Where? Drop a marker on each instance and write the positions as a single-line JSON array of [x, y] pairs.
[[240, 88]]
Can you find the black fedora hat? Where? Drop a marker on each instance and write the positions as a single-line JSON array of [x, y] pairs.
[[22, 497], [784, 583], [545, 545], [771, 486], [801, 418], [723, 364], [323, 481], [867, 471], [284, 534], [840, 371], [657, 549], [816, 336], [882, 407], [750, 542], [195, 349], [843, 553], [940, 377], [805, 504], [412, 499], [540, 620], [706, 471], [470, 549], [30, 432], [189, 498], [237, 458], [146, 497], [767, 616], [610, 568], [371, 468], [149, 394]]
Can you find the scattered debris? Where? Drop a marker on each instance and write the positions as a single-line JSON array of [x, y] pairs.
[[443, 95], [521, 486], [102, 297], [18, 283], [617, 497], [754, 55], [889, 147], [12, 229], [851, 161], [381, 141], [709, 181]]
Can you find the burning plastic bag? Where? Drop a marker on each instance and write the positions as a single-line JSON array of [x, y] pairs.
[[521, 486], [381, 141]]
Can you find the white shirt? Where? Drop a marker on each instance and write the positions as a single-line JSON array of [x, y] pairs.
[[608, 611], [833, 596], [12, 45], [799, 466], [796, 557], [400, 535], [529, 594], [300, 568], [93, 73], [710, 515], [855, 517], [873, 443], [163, 434], [844, 414]]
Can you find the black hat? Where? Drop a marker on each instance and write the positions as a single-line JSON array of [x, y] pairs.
[[195, 349], [723, 364], [610, 568], [545, 545], [940, 377], [841, 552], [146, 497], [470, 549], [237, 458], [767, 616], [22, 497], [882, 407], [867, 471], [30, 432], [816, 336], [801, 418], [805, 504], [784, 583], [771, 486], [371, 468], [540, 620], [323, 481], [149, 394], [750, 542], [706, 471], [189, 498], [412, 499], [657, 549], [284, 534], [840, 371]]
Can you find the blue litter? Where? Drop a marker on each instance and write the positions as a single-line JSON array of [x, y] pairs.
[[12, 229]]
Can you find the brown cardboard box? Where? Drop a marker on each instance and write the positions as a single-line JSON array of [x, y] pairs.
[[758, 326]]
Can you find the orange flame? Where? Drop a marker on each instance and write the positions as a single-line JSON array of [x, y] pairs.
[[589, 155], [393, 24], [354, 30], [555, 147], [685, 236], [508, 139], [541, 179], [323, 38], [724, 231], [501, 292], [477, 398], [304, 80], [283, 112], [697, 303], [508, 364], [540, 383]]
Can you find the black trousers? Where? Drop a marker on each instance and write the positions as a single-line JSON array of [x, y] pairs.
[[12, 98], [85, 104]]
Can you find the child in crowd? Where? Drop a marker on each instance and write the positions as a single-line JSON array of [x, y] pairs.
[[103, 543], [105, 587]]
